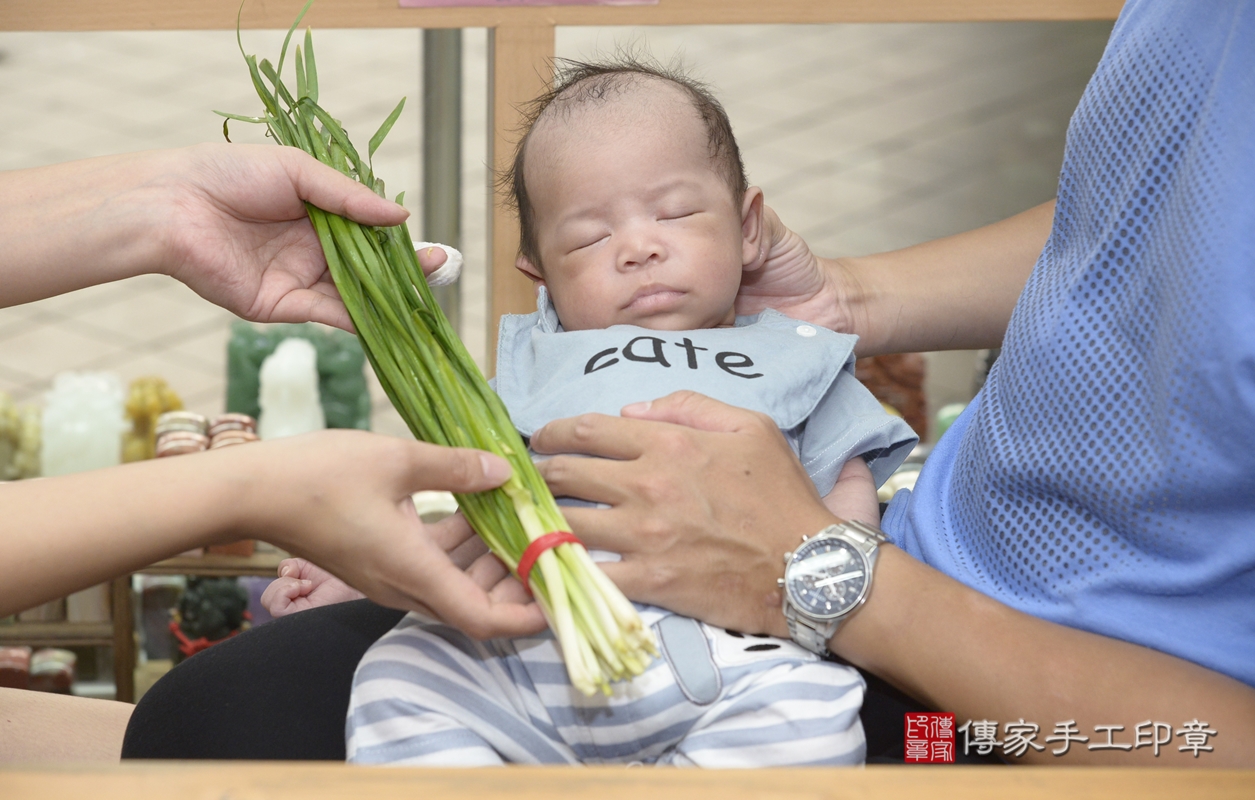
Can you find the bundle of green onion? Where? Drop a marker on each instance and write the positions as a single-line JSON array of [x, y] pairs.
[[440, 392]]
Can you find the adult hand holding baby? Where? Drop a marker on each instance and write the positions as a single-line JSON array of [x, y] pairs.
[[952, 293], [346, 506], [303, 585], [705, 499], [791, 279]]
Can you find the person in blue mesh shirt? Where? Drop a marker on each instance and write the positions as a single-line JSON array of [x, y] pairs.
[[1076, 563], [1079, 551]]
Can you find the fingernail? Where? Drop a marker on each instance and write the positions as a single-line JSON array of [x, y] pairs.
[[495, 469], [285, 572], [636, 408], [306, 582]]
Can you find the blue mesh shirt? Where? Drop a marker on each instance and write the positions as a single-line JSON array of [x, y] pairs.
[[1105, 476]]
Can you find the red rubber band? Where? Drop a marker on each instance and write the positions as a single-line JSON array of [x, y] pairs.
[[538, 546]]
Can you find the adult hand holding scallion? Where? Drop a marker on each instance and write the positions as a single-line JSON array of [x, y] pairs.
[[440, 393]]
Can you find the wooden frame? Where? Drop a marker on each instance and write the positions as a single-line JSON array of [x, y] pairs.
[[522, 44], [520, 52], [307, 780]]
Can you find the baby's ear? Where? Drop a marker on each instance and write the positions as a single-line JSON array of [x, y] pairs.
[[752, 228], [524, 265]]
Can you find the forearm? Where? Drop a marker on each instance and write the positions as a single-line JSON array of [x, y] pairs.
[[73, 225], [954, 293], [960, 651], [45, 728], [63, 534]]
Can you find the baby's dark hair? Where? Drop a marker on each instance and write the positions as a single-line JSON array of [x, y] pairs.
[[578, 83]]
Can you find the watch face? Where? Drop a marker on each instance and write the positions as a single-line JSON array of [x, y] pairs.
[[826, 578]]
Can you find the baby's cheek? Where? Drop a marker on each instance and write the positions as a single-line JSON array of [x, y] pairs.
[[586, 312]]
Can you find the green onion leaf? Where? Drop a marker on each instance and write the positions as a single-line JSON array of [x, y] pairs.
[[283, 52], [378, 138], [300, 74], [311, 71], [239, 118]]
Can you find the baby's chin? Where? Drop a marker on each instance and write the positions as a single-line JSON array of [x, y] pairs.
[[663, 311], [674, 325], [675, 321]]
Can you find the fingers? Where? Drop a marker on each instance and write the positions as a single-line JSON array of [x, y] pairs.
[[696, 411], [430, 256], [503, 588], [280, 596], [488, 571], [509, 590], [439, 271], [491, 575], [291, 567], [592, 435], [455, 536], [631, 577], [455, 597], [453, 469], [312, 305], [331, 191], [602, 529], [596, 480], [465, 554]]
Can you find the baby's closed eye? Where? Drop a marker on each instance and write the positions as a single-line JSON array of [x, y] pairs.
[[581, 240], [676, 214]]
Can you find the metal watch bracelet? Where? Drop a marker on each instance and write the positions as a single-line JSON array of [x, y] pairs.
[[814, 634]]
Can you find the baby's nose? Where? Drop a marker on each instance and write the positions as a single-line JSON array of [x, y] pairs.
[[641, 250]]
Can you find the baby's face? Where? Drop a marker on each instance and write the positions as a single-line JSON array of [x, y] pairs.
[[634, 226]]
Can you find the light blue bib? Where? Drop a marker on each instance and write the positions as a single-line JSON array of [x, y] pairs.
[[800, 375]]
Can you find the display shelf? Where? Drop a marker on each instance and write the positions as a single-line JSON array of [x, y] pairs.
[[57, 634], [264, 565], [116, 634], [120, 632]]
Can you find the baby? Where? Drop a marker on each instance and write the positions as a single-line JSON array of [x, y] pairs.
[[637, 223]]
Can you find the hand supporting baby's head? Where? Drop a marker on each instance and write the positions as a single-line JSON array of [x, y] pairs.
[[633, 202]]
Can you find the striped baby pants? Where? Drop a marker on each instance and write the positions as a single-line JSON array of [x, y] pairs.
[[425, 694]]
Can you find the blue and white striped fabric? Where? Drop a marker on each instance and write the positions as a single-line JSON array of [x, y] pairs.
[[426, 694]]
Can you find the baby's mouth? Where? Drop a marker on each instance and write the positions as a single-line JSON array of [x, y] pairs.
[[655, 297]]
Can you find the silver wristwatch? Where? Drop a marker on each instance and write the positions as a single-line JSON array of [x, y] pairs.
[[826, 579]]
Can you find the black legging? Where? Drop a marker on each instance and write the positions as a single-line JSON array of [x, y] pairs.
[[281, 692], [277, 692]]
